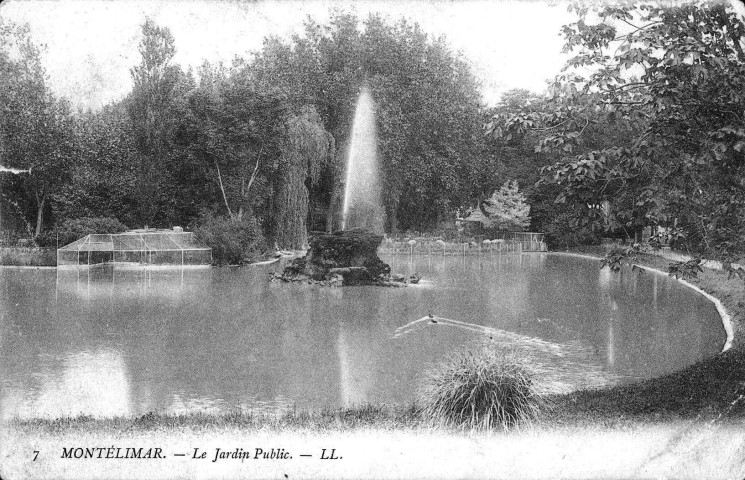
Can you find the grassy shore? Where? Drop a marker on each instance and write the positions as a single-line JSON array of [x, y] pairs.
[[384, 417]]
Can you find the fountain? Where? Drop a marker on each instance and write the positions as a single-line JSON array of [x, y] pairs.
[[349, 256], [363, 204]]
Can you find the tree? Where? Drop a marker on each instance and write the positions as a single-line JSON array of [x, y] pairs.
[[35, 127], [153, 110], [674, 78], [103, 179], [507, 208], [512, 155], [233, 130], [306, 147]]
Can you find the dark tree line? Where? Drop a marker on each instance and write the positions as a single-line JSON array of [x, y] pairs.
[[264, 140], [644, 127]]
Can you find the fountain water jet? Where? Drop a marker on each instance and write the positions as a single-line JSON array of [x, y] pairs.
[[363, 203], [14, 171], [349, 256]]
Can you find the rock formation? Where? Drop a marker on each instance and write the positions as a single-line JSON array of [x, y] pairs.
[[347, 257]]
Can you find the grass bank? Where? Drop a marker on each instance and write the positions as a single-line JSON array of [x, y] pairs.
[[385, 417], [28, 257]]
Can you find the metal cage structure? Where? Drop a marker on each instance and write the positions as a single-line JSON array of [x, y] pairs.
[[140, 248]]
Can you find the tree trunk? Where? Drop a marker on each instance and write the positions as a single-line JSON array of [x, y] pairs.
[[253, 175], [222, 189], [245, 189], [334, 214], [40, 215], [330, 213], [243, 196]]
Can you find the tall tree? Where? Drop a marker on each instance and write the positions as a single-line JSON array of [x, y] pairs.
[[35, 127], [152, 109]]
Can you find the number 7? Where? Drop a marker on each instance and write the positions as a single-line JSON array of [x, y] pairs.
[[36, 454]]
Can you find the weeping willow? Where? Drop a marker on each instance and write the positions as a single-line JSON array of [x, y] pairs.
[[305, 148]]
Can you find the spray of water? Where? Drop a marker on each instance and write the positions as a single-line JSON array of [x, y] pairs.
[[363, 206], [14, 171]]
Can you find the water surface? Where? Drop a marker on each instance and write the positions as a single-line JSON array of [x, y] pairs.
[[109, 342]]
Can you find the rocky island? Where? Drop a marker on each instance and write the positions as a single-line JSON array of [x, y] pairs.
[[348, 257]]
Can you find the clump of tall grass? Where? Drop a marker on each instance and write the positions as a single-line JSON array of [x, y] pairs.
[[480, 388]]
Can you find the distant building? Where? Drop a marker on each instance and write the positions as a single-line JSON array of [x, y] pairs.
[[477, 216]]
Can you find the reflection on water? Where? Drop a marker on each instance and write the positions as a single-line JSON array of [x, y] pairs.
[[107, 342], [355, 374], [77, 383], [557, 368]]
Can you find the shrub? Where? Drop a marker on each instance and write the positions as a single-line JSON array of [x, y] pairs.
[[233, 241], [480, 388], [617, 257], [74, 228], [563, 231], [688, 270]]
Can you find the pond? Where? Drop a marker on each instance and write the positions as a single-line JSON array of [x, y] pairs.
[[107, 342]]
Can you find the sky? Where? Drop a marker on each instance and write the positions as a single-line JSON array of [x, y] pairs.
[[91, 45]]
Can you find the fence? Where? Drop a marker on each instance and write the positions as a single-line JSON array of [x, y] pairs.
[[429, 246], [531, 241], [504, 241]]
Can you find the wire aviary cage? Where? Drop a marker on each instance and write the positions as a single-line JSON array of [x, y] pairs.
[[162, 247]]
